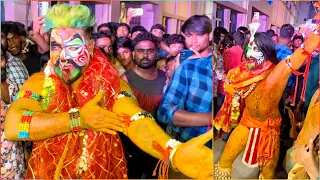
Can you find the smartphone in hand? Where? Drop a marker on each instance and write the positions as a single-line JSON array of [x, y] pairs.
[[43, 8], [185, 54], [137, 11]]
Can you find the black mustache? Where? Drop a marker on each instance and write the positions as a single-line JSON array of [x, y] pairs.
[[69, 61], [145, 59]]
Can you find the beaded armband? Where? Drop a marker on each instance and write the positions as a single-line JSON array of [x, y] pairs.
[[24, 125], [137, 116], [75, 120], [29, 94], [125, 94], [141, 115]]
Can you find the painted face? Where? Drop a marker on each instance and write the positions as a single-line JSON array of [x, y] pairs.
[[69, 52], [257, 54]]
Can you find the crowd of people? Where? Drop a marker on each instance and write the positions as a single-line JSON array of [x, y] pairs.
[[177, 96], [117, 101]]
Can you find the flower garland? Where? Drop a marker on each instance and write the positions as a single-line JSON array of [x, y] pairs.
[[235, 105], [48, 88]]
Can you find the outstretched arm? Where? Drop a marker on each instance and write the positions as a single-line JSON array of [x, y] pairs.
[[141, 131], [192, 158], [43, 125], [282, 72]]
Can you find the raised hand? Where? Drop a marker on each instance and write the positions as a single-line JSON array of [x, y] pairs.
[[196, 54], [98, 119], [194, 159], [37, 23]]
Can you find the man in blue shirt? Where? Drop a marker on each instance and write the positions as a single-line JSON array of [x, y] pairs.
[[186, 106], [282, 49]]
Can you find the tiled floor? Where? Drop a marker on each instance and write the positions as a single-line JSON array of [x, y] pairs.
[[242, 171]]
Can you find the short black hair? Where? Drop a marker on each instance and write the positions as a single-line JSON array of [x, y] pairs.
[[29, 28], [242, 28], [270, 33], [101, 34], [217, 32], [171, 58], [114, 26], [286, 31], [15, 28], [145, 36], [123, 24], [199, 24], [108, 25], [165, 37], [138, 28], [4, 27], [158, 26], [123, 42], [175, 38], [239, 38], [228, 41], [298, 37], [4, 51], [247, 32]]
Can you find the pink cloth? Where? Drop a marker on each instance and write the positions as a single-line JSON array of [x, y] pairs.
[[231, 59]]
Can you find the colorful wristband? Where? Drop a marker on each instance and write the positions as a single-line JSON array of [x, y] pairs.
[[75, 119], [29, 94], [24, 125]]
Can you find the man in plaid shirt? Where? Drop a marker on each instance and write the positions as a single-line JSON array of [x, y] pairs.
[[17, 72], [186, 106], [286, 33]]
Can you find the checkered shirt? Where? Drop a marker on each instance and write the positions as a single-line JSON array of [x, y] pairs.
[[282, 52], [17, 72], [190, 90]]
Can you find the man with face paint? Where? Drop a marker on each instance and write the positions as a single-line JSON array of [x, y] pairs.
[[254, 89], [75, 110]]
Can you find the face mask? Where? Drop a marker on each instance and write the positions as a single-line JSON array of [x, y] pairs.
[[257, 55]]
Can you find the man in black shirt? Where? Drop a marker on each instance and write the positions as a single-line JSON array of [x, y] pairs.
[[23, 48]]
